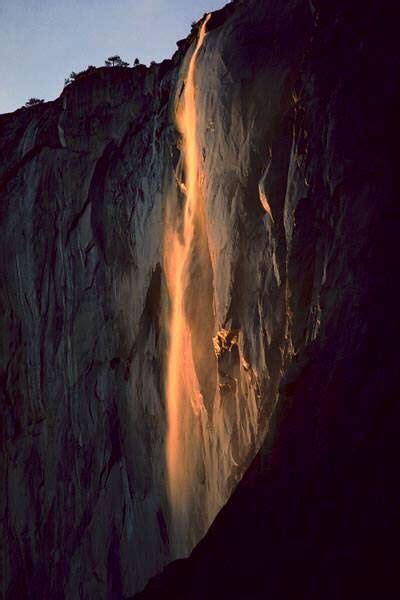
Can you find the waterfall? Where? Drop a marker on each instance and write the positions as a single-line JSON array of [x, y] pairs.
[[188, 380]]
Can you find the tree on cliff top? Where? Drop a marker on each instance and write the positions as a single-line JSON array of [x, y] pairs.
[[33, 101], [73, 76], [115, 61]]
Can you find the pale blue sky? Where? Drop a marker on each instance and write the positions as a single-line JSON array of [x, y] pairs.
[[42, 41]]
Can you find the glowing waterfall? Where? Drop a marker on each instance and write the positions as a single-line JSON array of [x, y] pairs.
[[186, 414]]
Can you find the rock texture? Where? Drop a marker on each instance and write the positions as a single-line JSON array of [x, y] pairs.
[[80, 287], [84, 185], [297, 128]]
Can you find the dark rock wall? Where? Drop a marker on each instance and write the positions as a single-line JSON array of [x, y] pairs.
[[80, 287]]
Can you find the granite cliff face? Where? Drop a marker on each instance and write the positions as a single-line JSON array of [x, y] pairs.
[[317, 514], [290, 271]]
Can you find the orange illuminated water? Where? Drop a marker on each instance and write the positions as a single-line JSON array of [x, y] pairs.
[[184, 400]]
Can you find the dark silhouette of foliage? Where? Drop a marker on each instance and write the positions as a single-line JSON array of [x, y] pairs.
[[33, 102], [136, 62], [115, 61], [71, 78], [73, 75]]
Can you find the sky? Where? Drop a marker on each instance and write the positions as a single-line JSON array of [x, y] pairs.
[[42, 41]]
